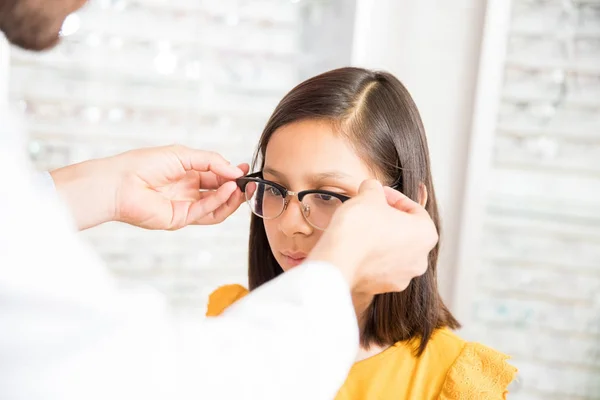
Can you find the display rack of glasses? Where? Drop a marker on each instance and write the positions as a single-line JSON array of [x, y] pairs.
[[132, 73], [537, 289]]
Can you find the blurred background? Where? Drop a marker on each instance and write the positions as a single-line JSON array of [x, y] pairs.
[[510, 96]]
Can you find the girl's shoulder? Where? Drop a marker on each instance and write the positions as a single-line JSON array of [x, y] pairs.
[[476, 371], [223, 297], [450, 368]]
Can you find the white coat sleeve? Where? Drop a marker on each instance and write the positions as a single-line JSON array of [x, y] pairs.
[[68, 331], [294, 338]]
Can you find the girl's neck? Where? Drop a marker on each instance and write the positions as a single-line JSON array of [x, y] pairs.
[[361, 302]]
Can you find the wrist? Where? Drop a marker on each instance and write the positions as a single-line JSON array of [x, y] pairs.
[[86, 189]]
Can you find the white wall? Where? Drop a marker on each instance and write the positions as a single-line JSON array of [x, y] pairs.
[[433, 48], [4, 69]]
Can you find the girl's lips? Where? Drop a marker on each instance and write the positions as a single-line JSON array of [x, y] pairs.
[[292, 259]]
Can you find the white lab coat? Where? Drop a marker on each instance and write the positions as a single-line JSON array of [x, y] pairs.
[[68, 332]]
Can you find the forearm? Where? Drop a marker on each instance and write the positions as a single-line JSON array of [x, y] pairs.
[[87, 191]]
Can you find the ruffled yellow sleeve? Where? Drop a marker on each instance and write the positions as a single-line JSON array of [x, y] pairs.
[[479, 372], [223, 297]]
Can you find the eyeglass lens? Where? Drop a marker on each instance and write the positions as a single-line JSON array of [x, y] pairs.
[[268, 202]]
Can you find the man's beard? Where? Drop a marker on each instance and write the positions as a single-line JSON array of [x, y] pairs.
[[31, 24]]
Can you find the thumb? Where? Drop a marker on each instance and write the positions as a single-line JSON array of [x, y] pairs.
[[371, 188], [401, 202]]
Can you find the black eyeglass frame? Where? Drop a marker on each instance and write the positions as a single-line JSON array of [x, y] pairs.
[[257, 178]]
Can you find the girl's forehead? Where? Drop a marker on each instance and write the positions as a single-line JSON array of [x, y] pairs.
[[313, 146]]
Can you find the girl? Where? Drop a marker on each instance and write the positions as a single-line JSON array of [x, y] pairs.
[[324, 138]]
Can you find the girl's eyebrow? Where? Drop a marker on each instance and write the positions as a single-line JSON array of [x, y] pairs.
[[335, 175], [274, 172], [314, 178]]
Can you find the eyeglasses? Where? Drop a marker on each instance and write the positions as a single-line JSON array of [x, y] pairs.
[[268, 200]]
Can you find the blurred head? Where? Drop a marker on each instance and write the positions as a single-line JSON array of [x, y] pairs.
[[331, 132], [35, 24]]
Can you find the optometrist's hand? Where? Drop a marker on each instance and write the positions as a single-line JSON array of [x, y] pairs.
[[154, 188], [380, 240]]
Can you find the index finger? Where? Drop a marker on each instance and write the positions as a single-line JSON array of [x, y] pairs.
[[204, 161], [210, 180], [244, 167]]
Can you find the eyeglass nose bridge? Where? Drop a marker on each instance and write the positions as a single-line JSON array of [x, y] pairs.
[[305, 207]]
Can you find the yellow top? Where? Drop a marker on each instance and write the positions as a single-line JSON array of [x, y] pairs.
[[448, 369]]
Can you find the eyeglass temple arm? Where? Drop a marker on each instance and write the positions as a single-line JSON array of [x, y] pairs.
[[243, 181]]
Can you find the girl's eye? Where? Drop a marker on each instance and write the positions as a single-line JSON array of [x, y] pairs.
[[272, 191]]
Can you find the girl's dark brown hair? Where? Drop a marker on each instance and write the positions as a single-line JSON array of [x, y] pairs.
[[376, 113]]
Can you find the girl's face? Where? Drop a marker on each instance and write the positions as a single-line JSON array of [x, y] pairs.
[[302, 156]]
